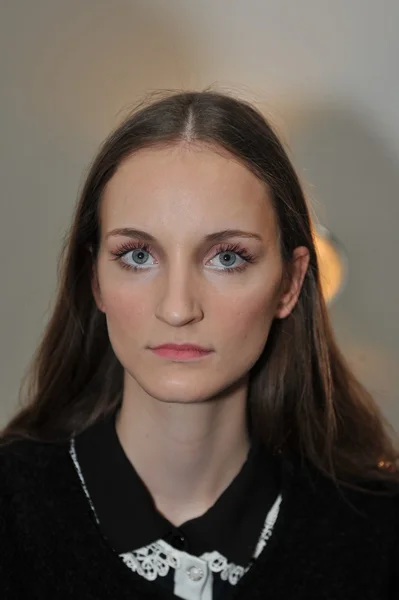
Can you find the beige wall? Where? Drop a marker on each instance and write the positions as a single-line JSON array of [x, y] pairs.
[[325, 71]]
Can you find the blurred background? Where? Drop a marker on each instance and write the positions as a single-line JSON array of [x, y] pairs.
[[324, 72]]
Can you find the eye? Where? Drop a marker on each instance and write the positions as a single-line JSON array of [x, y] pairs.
[[229, 258], [133, 257], [232, 258], [137, 257]]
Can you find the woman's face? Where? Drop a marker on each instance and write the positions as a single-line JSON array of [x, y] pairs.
[[184, 281]]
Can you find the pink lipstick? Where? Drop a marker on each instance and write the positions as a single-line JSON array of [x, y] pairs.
[[181, 351]]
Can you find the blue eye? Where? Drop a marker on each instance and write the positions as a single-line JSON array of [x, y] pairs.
[[229, 258], [135, 258], [138, 256]]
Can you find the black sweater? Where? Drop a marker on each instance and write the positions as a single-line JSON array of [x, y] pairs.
[[325, 545], [218, 546]]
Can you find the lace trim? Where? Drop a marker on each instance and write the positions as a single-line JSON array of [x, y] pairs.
[[156, 559], [152, 561], [72, 452], [218, 563], [267, 530]]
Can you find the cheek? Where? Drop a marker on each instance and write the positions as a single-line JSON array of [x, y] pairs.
[[245, 322], [127, 315], [125, 307]]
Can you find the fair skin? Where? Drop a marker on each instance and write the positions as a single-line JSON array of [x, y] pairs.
[[182, 424]]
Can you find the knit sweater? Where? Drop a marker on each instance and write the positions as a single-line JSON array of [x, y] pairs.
[[327, 543]]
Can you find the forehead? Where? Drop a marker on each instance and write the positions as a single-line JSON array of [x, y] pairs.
[[186, 188]]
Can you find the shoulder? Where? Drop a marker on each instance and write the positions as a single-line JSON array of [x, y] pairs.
[[366, 503], [27, 451], [34, 478], [23, 461]]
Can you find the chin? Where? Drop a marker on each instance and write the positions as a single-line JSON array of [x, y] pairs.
[[181, 390], [186, 394], [181, 387]]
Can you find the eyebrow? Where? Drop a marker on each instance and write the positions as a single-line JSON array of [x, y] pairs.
[[218, 236]]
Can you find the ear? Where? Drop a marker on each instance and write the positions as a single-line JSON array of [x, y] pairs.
[[293, 281]]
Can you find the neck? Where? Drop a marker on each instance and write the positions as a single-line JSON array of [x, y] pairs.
[[186, 454]]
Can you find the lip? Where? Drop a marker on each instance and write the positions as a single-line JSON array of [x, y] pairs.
[[181, 347], [181, 351]]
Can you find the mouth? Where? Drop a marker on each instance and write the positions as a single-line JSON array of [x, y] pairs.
[[181, 352]]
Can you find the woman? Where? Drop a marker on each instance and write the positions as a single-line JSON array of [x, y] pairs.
[[191, 429]]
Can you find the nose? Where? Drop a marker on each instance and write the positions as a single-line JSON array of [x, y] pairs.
[[179, 299]]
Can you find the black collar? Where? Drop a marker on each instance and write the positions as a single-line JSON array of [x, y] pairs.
[[130, 520]]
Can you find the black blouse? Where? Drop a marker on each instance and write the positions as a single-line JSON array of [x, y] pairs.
[[203, 558]]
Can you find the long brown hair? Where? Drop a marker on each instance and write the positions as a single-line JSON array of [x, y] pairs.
[[302, 396]]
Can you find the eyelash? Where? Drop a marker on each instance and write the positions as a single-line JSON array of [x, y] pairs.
[[236, 248]]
